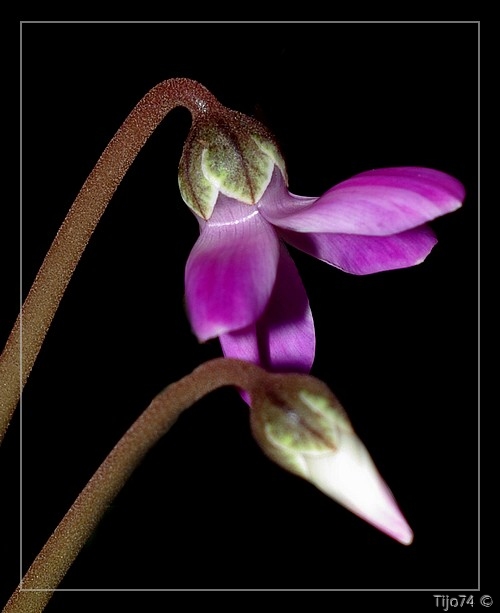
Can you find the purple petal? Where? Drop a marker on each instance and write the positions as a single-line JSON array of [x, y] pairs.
[[375, 203], [231, 270], [362, 255], [283, 339]]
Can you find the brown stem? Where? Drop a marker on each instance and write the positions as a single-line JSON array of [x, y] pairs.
[[60, 262], [52, 563]]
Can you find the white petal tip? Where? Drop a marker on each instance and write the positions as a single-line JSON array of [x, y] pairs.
[[401, 533], [350, 477], [407, 539], [387, 517]]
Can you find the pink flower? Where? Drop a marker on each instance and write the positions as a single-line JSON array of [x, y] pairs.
[[242, 285]]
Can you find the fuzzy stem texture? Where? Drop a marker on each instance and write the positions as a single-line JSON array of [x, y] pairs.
[[40, 306], [57, 555]]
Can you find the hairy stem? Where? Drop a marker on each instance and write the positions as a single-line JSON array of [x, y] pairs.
[[53, 561], [41, 304]]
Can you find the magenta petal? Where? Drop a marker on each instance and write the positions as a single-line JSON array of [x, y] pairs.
[[362, 255], [231, 270], [283, 339], [375, 203]]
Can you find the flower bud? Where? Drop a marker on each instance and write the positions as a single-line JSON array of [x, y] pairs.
[[226, 152], [301, 425]]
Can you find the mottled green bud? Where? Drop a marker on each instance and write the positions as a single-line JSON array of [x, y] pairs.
[[300, 425], [299, 417], [226, 152]]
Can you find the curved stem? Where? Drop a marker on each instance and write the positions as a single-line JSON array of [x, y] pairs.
[[63, 546], [60, 262]]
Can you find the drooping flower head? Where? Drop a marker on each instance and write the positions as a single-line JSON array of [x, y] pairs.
[[241, 283]]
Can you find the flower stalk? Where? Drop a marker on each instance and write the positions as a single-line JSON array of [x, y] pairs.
[[296, 420], [54, 560], [42, 301]]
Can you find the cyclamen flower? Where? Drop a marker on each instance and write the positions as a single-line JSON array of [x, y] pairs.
[[241, 283]]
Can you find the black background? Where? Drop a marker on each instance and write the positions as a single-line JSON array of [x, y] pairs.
[[206, 510]]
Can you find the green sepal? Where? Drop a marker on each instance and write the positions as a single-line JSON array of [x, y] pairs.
[[229, 153], [304, 418]]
